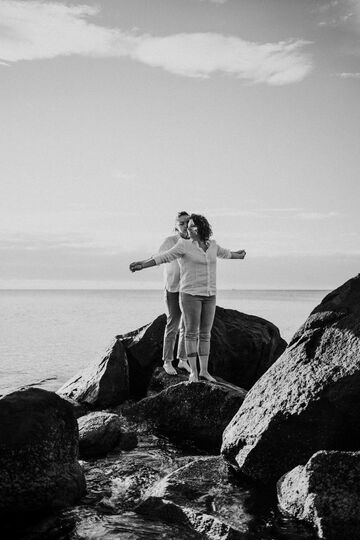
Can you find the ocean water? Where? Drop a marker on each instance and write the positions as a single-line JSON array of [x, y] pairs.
[[46, 336]]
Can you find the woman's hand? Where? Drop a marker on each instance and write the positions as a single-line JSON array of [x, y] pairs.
[[136, 266], [242, 253]]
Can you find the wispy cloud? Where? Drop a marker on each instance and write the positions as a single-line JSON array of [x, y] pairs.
[[282, 213], [350, 75], [314, 216], [34, 30], [334, 12]]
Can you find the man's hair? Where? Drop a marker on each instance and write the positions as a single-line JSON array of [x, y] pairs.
[[181, 214], [204, 228]]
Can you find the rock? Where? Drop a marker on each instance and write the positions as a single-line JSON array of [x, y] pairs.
[[243, 347], [197, 411], [39, 471], [309, 400], [103, 384], [326, 493], [80, 409], [99, 432], [203, 496], [144, 352]]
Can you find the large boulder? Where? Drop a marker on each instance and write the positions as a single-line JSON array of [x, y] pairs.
[[243, 347], [39, 471], [326, 493], [196, 411], [103, 384], [309, 399], [203, 496]]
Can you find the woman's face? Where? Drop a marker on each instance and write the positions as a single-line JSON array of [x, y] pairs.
[[193, 230], [182, 226]]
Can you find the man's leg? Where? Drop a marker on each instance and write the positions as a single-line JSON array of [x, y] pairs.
[[191, 310], [206, 322], [171, 328]]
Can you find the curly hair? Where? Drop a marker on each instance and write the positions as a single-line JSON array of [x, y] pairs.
[[204, 228]]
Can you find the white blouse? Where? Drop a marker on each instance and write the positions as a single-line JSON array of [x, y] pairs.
[[197, 267]]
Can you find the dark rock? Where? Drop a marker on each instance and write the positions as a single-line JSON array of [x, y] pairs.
[[80, 409], [203, 496], [128, 440], [144, 352], [309, 399], [103, 384], [326, 493], [196, 411], [243, 347], [39, 471], [99, 432]]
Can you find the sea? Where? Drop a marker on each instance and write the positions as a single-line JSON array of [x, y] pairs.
[[47, 336]]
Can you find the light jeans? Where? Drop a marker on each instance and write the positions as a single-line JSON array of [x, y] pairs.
[[198, 313], [173, 322]]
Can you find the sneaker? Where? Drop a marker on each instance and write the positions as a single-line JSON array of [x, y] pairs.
[[169, 368]]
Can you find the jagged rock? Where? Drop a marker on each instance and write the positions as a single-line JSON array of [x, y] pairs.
[[309, 399], [326, 493], [39, 471], [196, 411], [103, 384], [204, 496], [243, 347]]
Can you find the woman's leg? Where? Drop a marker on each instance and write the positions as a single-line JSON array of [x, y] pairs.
[[191, 310], [171, 329], [181, 351], [206, 322]]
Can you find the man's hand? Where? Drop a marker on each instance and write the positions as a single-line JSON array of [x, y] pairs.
[[136, 266]]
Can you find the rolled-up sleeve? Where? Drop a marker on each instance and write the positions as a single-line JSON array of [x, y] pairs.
[[223, 253], [171, 254]]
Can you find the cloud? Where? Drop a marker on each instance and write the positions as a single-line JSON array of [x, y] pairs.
[[282, 213], [35, 30], [317, 215], [349, 75]]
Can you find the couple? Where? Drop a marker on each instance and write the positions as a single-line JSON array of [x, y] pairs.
[[195, 258]]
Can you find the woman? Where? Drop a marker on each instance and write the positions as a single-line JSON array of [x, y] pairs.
[[197, 260], [171, 294]]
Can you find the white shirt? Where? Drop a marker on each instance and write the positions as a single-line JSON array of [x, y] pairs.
[[172, 269], [197, 267]]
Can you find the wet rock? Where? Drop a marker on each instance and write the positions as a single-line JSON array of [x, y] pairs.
[[160, 380], [309, 399], [326, 493], [103, 384], [203, 496], [39, 471], [243, 347], [197, 411], [99, 432]]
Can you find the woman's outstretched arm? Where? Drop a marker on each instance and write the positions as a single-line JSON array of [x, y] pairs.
[[140, 265], [240, 254], [166, 256]]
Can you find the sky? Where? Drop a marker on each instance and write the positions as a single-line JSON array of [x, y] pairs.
[[117, 114]]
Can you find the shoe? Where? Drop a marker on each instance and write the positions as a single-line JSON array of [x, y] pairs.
[[183, 364], [169, 368], [207, 376]]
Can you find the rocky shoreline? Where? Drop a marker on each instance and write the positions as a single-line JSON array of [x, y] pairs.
[[276, 435]]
